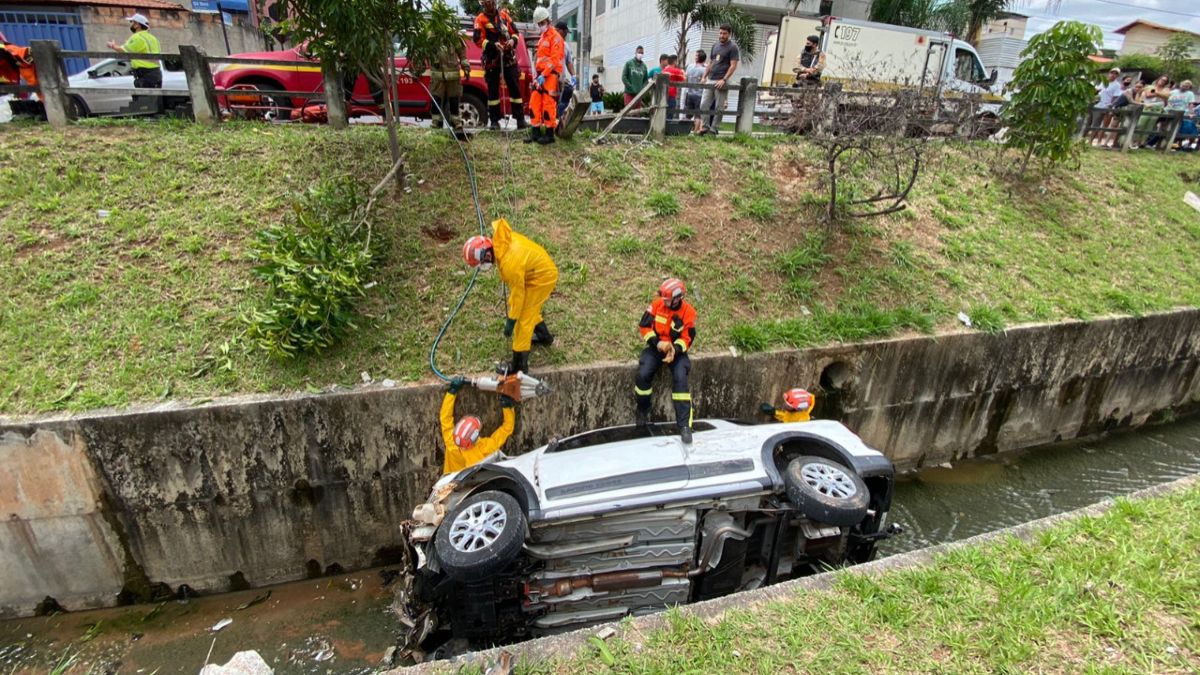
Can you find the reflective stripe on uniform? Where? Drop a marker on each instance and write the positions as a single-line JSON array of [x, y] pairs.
[[642, 392], [681, 345], [515, 100], [496, 102], [660, 319], [685, 396]]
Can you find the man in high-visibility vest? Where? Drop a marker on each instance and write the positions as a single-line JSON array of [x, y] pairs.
[[543, 102], [146, 74]]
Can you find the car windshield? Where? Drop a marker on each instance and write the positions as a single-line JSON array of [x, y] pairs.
[[617, 434]]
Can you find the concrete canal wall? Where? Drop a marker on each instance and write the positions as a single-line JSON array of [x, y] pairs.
[[110, 507]]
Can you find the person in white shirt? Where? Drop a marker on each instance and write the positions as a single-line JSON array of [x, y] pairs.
[[1108, 95]]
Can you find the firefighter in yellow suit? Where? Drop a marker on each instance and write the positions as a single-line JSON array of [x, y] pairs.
[[530, 275], [464, 447], [797, 406]]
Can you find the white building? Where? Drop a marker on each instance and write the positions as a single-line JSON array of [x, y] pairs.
[[1000, 45], [610, 31]]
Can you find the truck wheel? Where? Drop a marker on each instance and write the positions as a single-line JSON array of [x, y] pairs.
[[825, 491], [480, 536], [473, 112]]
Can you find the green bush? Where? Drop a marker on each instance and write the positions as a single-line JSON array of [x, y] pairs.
[[316, 264], [614, 101]]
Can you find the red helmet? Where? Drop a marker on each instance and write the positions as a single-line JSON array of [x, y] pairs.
[[798, 400], [672, 291], [475, 249], [466, 432]]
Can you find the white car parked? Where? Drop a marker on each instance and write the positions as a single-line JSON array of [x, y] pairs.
[[111, 74], [630, 520]]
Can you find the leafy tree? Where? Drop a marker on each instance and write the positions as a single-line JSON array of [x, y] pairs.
[[521, 10], [708, 14], [1176, 55], [1051, 87], [361, 36], [1149, 65]]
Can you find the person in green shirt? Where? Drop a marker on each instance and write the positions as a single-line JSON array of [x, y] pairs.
[[146, 74], [634, 76]]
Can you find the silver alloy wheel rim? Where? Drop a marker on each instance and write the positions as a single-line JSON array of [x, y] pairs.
[[478, 526], [469, 115], [828, 480]]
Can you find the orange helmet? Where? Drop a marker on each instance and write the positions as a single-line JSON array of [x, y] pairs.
[[798, 400], [672, 291], [466, 432], [475, 251]]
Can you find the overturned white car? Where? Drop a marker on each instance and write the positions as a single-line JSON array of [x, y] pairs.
[[629, 520]]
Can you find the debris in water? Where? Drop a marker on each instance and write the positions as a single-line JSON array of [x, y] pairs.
[[966, 320], [388, 657], [323, 655], [221, 624], [388, 576], [255, 601], [242, 663]]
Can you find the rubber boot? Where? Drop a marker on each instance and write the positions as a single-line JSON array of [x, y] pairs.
[[547, 137], [685, 435], [535, 135], [520, 363], [643, 418], [542, 335], [521, 123]]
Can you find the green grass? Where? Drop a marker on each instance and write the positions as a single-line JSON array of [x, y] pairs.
[[138, 305], [1115, 593]]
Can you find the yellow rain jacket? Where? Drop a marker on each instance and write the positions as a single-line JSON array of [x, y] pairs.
[[457, 458], [530, 275], [792, 415]]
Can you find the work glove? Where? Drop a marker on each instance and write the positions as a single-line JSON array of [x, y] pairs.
[[541, 80], [767, 409], [507, 402], [574, 83], [509, 324], [456, 383]]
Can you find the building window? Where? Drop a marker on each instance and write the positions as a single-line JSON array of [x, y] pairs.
[[600, 7], [616, 4]]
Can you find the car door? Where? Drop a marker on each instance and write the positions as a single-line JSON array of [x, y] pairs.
[[100, 80], [611, 473]]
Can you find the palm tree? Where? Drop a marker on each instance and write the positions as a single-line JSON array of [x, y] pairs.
[[961, 17], [708, 14]]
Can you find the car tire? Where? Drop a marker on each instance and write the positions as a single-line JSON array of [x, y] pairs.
[[826, 491], [77, 107], [473, 111], [480, 536]]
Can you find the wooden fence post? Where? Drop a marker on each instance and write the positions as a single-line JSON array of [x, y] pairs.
[[1176, 121], [335, 95], [52, 81], [200, 84], [658, 118], [1133, 114], [747, 98]]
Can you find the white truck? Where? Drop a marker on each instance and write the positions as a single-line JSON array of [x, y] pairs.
[[865, 55]]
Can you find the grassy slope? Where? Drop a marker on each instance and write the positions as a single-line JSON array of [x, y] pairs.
[[1110, 594], [133, 307]]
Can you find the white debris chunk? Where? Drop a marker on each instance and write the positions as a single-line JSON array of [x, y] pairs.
[[242, 663], [966, 320], [221, 624]]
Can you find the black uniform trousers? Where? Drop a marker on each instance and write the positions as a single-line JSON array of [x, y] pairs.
[[681, 399], [510, 73]]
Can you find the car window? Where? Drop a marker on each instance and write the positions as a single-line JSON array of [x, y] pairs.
[[625, 433], [967, 67], [175, 65], [112, 69]]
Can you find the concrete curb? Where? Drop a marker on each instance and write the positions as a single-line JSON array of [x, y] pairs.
[[565, 645]]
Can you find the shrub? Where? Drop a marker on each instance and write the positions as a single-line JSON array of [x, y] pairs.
[[315, 264], [1052, 86], [614, 101]]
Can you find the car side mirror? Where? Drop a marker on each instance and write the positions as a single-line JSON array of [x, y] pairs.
[[992, 78]]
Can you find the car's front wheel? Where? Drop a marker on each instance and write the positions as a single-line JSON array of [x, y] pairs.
[[481, 536], [826, 491]]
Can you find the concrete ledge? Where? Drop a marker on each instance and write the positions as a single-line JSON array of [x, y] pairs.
[[565, 645], [260, 490]]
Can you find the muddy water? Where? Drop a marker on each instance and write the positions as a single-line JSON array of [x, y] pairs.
[[342, 624], [940, 504]]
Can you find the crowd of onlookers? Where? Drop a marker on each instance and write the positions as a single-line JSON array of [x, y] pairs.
[[716, 67], [1161, 95]]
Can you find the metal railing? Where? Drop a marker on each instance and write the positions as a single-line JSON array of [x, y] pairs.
[[1158, 128], [56, 91]]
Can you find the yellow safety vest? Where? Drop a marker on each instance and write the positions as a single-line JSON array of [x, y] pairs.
[[142, 42]]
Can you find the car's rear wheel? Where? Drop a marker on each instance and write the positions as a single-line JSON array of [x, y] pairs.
[[77, 107], [825, 491], [481, 536], [254, 106], [473, 111]]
